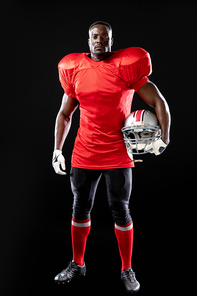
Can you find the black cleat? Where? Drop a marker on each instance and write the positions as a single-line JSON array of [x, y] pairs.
[[70, 272], [129, 280]]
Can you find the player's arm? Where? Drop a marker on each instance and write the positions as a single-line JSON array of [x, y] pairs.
[[63, 120], [152, 96], [62, 127]]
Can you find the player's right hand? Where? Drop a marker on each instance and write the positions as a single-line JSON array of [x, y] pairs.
[[58, 162]]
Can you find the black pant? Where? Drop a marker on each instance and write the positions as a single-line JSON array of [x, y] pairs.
[[84, 183]]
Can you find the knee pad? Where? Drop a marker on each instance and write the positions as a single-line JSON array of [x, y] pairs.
[[120, 213]]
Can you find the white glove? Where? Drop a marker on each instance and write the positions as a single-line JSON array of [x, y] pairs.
[[156, 147], [57, 161]]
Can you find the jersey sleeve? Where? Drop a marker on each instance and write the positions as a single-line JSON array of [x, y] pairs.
[[67, 68], [143, 68], [66, 84], [136, 66]]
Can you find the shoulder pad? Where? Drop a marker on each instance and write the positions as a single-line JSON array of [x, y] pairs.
[[71, 61], [132, 54]]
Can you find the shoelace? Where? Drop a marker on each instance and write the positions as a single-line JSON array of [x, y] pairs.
[[130, 275], [72, 267]]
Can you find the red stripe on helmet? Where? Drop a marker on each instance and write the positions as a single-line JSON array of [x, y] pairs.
[[138, 115]]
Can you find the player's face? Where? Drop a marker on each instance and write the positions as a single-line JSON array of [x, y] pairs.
[[100, 40]]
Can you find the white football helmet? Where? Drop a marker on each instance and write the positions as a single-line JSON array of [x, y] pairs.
[[140, 129]]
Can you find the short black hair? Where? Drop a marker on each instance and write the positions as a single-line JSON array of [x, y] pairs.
[[100, 23]]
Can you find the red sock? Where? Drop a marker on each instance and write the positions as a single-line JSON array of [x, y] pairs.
[[124, 235], [79, 231]]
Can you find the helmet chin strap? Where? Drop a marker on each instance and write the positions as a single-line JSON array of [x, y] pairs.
[[137, 160], [131, 156]]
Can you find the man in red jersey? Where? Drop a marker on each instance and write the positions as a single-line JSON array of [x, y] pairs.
[[103, 83]]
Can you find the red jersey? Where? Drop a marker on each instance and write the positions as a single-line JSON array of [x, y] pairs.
[[105, 91]]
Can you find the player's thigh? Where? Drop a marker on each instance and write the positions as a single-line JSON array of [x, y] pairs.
[[119, 186], [119, 182], [84, 183]]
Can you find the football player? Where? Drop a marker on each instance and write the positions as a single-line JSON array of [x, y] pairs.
[[103, 82]]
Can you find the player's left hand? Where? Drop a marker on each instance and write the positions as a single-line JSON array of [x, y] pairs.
[[156, 147]]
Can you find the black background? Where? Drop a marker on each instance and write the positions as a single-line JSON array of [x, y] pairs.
[[35, 202]]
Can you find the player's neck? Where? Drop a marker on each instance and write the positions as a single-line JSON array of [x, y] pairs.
[[98, 58]]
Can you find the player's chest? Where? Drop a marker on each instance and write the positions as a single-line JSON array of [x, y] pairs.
[[103, 80]]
